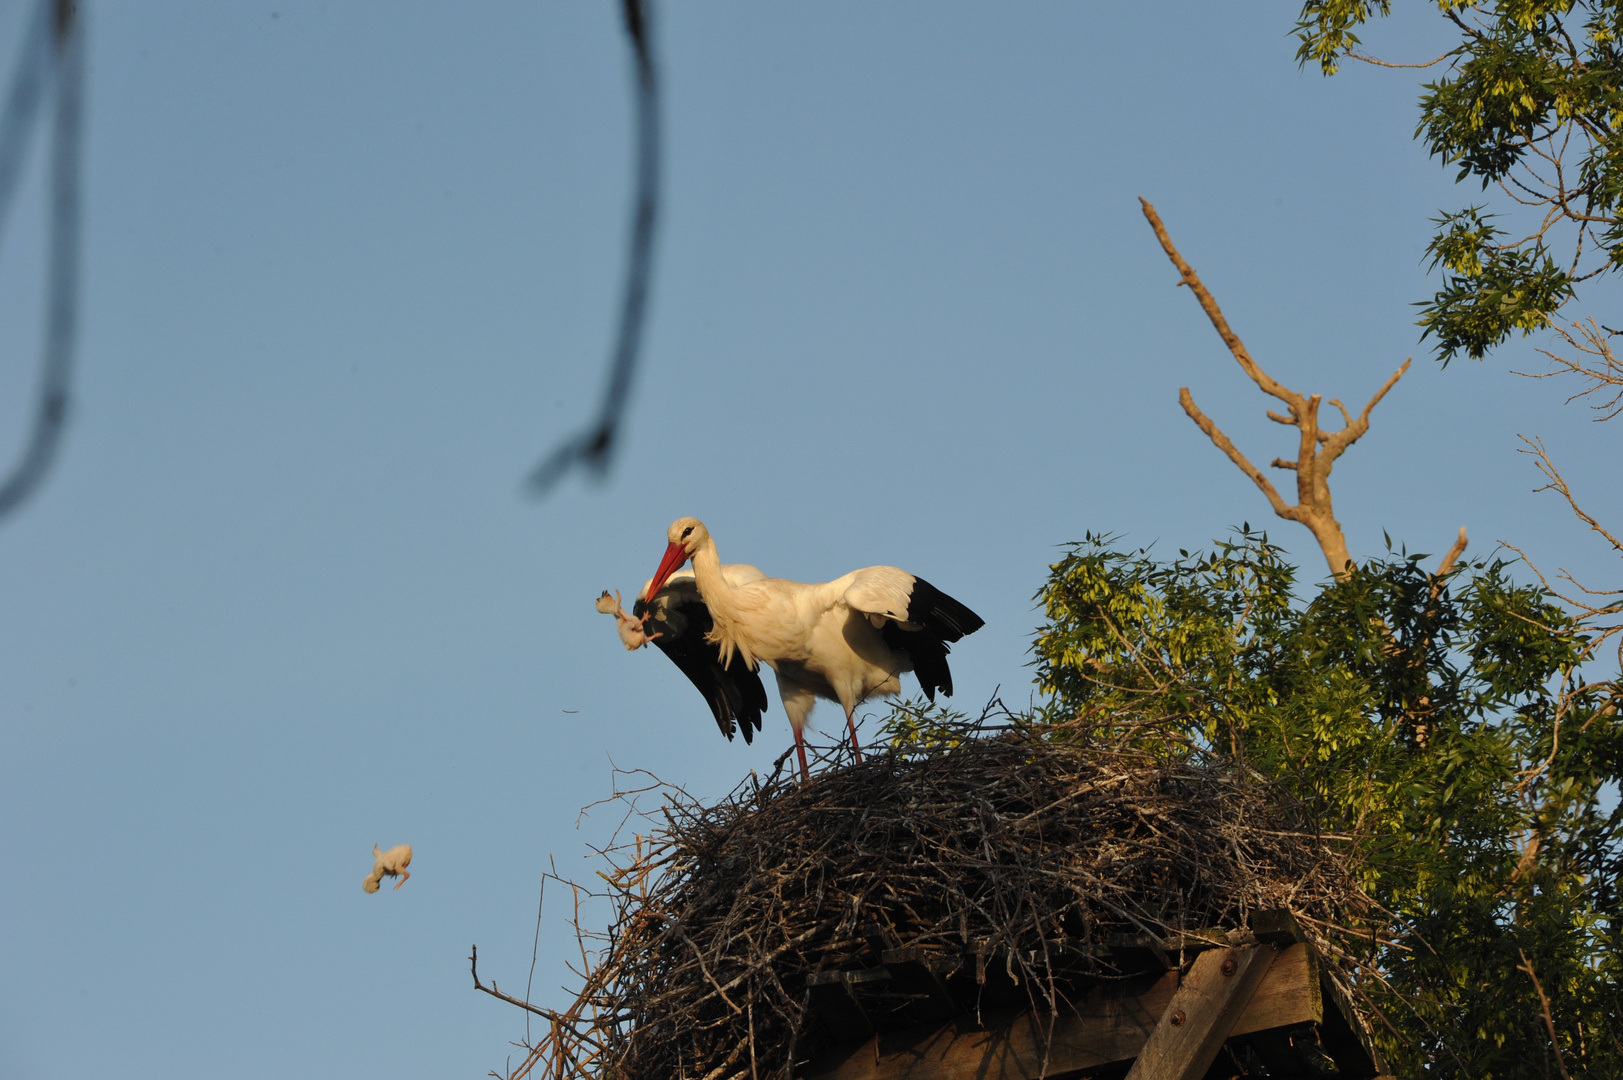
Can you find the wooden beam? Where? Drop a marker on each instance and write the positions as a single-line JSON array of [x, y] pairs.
[[1202, 1014], [1107, 1026]]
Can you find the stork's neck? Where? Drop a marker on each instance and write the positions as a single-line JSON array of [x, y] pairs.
[[707, 575]]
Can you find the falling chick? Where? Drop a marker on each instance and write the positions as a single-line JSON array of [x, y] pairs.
[[391, 863]]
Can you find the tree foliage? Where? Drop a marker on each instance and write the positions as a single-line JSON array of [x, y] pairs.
[[1444, 727], [1530, 103]]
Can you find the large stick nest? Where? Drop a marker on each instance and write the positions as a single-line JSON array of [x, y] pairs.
[[1003, 861]]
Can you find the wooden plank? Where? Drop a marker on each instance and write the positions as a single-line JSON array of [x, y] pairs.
[[1202, 1014], [1347, 1040], [1289, 994], [1106, 1027]]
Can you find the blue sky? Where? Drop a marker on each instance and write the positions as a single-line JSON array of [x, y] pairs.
[[350, 270]]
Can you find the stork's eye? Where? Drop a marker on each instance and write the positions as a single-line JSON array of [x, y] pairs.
[[686, 531]]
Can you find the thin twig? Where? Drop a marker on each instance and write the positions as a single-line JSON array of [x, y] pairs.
[[1557, 483], [473, 962]]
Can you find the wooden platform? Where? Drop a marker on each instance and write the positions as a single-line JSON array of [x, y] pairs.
[[1253, 1008]]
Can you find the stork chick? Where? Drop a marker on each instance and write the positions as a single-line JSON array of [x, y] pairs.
[[391, 863], [633, 632]]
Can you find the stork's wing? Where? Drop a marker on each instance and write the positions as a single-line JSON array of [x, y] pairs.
[[679, 615], [739, 573], [914, 617]]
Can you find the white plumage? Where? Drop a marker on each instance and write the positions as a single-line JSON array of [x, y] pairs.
[[846, 640], [391, 863]]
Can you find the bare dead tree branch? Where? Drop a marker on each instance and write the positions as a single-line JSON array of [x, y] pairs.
[[1535, 447], [1223, 443], [1585, 609], [1453, 555], [1602, 369], [1314, 508]]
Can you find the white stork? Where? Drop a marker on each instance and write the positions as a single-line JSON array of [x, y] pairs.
[[846, 640]]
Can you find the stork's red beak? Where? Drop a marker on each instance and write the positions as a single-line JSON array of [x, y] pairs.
[[675, 556]]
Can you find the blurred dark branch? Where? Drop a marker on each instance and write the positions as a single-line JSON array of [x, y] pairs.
[[51, 47], [594, 447]]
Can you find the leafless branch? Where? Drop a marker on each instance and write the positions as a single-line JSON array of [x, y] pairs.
[[1208, 304], [1312, 466], [1223, 443], [1387, 64], [1445, 567], [1557, 483], [1340, 440], [473, 962], [1570, 601], [1602, 368], [1453, 555]]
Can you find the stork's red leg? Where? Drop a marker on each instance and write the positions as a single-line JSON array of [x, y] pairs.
[[404, 874], [856, 747], [800, 748]]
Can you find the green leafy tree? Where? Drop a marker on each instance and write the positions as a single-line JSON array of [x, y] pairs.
[[1529, 104], [1441, 725], [1440, 722]]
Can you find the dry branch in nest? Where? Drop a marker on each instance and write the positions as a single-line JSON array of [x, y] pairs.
[[1010, 866]]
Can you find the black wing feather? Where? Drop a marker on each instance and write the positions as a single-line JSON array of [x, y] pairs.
[[939, 619], [940, 614], [734, 692]]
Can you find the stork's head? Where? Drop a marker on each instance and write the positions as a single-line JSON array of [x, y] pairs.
[[685, 536], [688, 532]]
